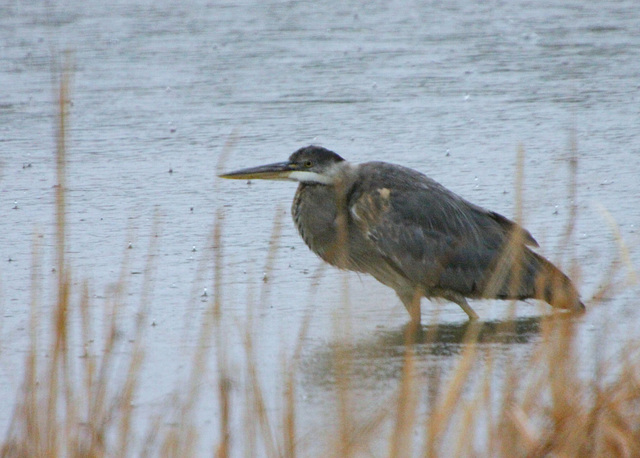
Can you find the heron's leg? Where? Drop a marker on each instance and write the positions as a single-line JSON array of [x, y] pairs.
[[462, 302], [411, 301]]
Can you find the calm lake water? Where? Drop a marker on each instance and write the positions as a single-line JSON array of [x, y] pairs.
[[452, 89]]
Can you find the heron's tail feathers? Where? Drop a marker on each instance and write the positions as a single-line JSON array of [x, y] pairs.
[[551, 285], [526, 274]]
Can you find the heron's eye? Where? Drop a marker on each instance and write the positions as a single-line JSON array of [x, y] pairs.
[[308, 164]]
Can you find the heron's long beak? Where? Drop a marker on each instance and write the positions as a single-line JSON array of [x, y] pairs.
[[276, 171]]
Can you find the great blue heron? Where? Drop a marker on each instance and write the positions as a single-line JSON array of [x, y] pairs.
[[412, 234]]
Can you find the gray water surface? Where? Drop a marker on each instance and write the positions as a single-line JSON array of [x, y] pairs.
[[452, 89]]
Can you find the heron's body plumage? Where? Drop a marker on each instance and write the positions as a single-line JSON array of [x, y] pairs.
[[417, 237]]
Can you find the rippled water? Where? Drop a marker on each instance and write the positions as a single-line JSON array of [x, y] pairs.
[[450, 88]]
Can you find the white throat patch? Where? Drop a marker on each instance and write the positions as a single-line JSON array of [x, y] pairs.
[[310, 177]]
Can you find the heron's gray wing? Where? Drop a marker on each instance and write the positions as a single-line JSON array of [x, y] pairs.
[[430, 235]]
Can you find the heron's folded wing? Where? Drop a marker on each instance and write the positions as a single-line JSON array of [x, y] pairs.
[[431, 236]]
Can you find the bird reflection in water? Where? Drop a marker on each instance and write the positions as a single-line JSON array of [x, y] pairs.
[[381, 356]]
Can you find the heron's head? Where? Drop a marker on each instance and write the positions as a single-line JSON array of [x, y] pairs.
[[311, 164]]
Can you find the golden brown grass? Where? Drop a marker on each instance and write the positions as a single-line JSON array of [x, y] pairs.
[[544, 406]]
